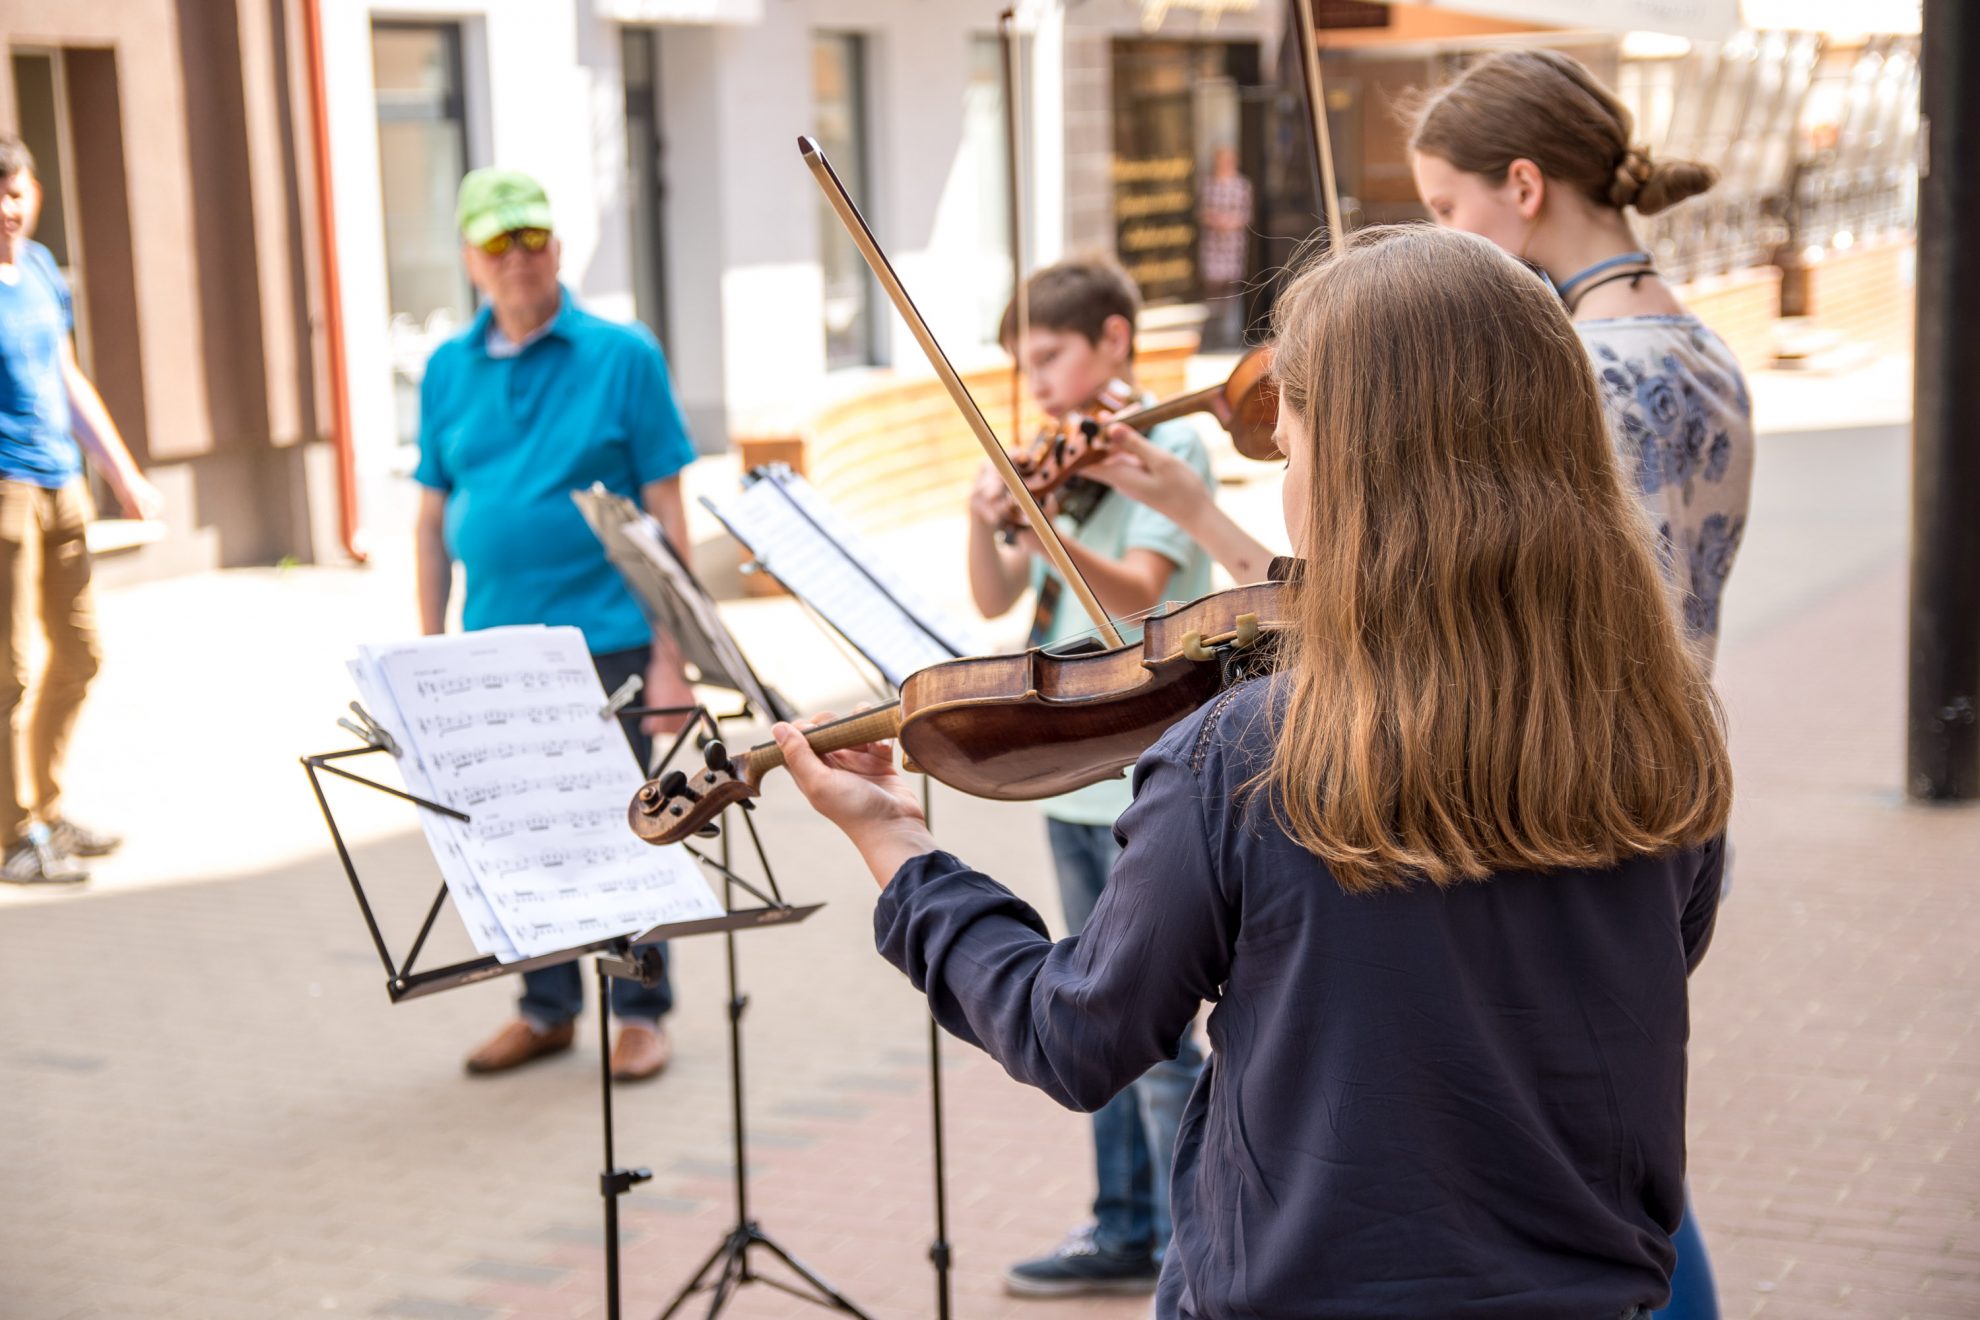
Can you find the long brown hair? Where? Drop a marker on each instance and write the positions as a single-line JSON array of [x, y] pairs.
[[1485, 672], [1542, 106]]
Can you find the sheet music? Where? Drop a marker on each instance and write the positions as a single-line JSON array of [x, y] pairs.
[[802, 542], [676, 605], [504, 725], [477, 914]]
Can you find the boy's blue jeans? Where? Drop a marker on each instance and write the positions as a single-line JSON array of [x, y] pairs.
[[1134, 1134], [553, 996]]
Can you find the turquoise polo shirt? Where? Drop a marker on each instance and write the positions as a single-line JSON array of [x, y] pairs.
[[1116, 526], [509, 438]]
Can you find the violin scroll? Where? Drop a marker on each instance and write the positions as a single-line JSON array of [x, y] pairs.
[[668, 809]]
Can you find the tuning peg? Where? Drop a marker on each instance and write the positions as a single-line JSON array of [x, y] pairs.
[[717, 757], [674, 784]]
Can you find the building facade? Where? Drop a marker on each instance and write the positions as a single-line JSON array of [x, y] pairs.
[[163, 136], [220, 257]]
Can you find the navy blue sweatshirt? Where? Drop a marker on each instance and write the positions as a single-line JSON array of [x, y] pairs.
[[1460, 1103]]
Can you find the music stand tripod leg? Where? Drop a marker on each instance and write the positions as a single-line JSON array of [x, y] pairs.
[[614, 1182], [733, 1254], [939, 1253]]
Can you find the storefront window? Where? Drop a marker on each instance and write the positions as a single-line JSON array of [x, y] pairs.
[[838, 116], [422, 154], [1185, 113], [645, 177]]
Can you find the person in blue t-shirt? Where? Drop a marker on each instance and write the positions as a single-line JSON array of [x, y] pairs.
[[536, 399], [49, 415]]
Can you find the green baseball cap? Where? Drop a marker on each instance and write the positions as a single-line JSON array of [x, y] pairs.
[[496, 201]]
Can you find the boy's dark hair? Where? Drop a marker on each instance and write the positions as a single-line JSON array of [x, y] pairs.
[[1074, 296], [15, 158]]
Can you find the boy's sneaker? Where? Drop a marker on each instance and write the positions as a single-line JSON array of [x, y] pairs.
[[1080, 1266], [82, 841], [36, 861]]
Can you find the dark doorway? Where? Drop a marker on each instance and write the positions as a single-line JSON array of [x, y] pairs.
[[646, 176]]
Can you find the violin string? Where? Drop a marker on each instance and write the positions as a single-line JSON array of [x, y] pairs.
[[1138, 617]]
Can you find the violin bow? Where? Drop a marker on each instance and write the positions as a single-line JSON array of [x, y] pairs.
[[883, 270], [1316, 104], [1009, 39]]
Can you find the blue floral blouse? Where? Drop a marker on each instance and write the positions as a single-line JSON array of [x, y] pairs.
[[1683, 426]]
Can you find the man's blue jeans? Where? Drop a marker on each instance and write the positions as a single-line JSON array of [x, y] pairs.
[[555, 995], [1134, 1134]]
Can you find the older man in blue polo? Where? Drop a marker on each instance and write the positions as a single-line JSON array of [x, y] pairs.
[[536, 399]]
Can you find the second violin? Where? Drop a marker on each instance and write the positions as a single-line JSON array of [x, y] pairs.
[[1246, 403]]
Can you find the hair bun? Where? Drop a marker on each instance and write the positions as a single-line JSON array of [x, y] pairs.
[[1657, 185], [1633, 171]]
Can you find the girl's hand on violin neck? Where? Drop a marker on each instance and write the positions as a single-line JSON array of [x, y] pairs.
[[1149, 474], [859, 790]]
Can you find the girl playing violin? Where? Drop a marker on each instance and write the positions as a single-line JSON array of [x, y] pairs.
[[1442, 876]]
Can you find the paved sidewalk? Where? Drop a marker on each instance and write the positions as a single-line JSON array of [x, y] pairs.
[[208, 1108]]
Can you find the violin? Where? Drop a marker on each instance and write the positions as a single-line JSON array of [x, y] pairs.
[[1049, 466], [1016, 727], [1246, 402]]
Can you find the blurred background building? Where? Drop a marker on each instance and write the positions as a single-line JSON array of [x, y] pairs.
[[205, 160]]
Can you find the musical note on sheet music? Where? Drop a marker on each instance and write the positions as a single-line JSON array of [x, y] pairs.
[[506, 725]]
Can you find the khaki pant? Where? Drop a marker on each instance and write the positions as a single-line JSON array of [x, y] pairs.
[[44, 569]]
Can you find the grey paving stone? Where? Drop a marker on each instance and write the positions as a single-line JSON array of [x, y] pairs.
[[427, 1308], [516, 1272]]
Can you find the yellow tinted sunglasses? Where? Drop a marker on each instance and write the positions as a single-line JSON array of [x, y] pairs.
[[531, 240]]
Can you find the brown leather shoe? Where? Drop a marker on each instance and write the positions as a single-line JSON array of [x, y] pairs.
[[518, 1043], [641, 1052]]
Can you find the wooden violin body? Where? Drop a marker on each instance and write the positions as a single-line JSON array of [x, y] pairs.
[[1018, 727]]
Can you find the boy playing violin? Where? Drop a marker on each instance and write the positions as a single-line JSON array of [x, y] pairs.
[[1079, 340]]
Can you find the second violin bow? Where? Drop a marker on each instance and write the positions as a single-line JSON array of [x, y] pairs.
[[1316, 103]]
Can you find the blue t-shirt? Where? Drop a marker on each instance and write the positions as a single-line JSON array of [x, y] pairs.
[[509, 438], [35, 320]]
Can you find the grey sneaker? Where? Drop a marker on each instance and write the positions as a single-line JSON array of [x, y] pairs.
[[1079, 1266], [82, 841], [36, 861]]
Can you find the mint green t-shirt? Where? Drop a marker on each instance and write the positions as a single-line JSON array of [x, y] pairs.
[[1117, 526]]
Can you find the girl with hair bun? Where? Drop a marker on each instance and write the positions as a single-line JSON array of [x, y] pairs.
[[1529, 150]]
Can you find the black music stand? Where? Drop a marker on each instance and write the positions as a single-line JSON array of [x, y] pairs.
[[875, 674], [728, 1268], [616, 956]]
